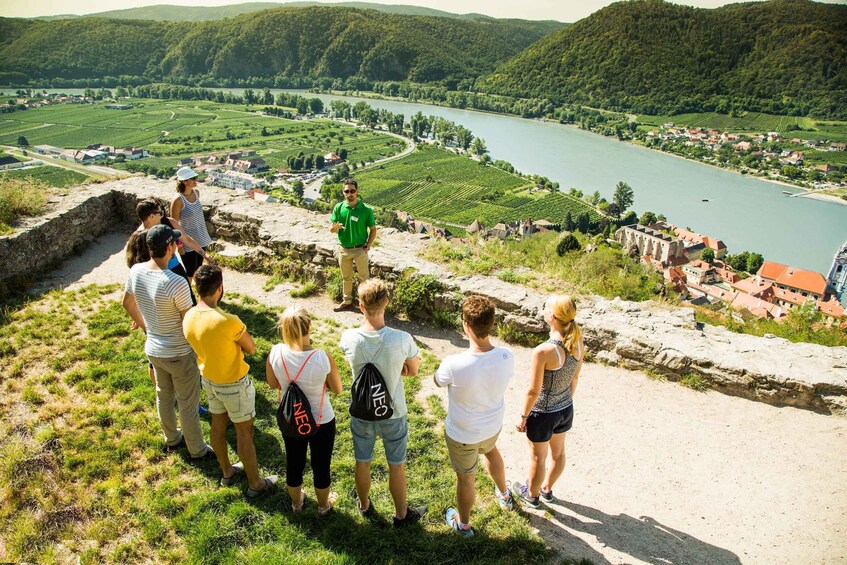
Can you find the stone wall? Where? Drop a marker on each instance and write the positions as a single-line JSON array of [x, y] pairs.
[[645, 336]]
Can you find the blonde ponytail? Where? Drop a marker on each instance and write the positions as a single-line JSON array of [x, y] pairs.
[[563, 309]]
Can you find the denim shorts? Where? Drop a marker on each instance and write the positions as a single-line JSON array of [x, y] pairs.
[[394, 433], [238, 399]]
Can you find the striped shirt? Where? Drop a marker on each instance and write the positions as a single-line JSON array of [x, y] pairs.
[[193, 222], [161, 296], [386, 348]]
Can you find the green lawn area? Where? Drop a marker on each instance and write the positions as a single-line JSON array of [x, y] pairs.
[[83, 471], [171, 130], [437, 184], [51, 176], [750, 121]]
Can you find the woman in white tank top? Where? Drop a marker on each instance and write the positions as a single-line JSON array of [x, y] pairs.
[[187, 209]]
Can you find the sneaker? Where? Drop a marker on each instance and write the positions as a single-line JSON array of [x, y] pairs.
[[202, 410], [239, 472], [452, 517], [208, 456], [546, 496], [173, 448], [343, 306], [506, 501], [370, 512], [270, 483], [522, 493], [413, 515]]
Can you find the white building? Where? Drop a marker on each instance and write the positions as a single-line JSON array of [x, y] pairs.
[[235, 179]]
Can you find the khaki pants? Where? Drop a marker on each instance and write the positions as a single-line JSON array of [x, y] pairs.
[[178, 378], [346, 258]]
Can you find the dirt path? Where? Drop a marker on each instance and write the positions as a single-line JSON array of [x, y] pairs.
[[656, 473]]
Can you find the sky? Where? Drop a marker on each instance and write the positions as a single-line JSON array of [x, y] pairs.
[[562, 10]]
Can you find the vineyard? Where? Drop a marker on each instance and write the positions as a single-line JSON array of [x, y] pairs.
[[171, 130], [439, 185], [51, 176], [749, 121]]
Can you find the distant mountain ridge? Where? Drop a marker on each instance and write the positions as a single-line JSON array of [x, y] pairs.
[[321, 41], [175, 13], [653, 57]]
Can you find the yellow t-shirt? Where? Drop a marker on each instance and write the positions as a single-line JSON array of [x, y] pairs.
[[214, 334]]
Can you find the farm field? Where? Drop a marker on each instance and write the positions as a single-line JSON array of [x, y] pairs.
[[51, 176], [171, 130], [435, 184], [753, 122]]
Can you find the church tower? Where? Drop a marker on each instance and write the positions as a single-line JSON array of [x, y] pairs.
[[837, 277]]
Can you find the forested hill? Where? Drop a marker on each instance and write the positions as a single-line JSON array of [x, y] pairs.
[[649, 56], [284, 42], [201, 13]]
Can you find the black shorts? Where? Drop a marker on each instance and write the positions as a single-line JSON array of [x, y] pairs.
[[192, 261], [540, 426]]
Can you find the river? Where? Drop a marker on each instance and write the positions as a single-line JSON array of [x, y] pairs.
[[745, 212]]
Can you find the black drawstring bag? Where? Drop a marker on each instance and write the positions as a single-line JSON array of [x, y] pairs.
[[370, 399], [294, 415]]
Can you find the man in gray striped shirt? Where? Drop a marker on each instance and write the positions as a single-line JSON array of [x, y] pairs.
[[157, 300]]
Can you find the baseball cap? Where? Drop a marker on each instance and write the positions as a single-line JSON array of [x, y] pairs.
[[159, 237], [185, 173]]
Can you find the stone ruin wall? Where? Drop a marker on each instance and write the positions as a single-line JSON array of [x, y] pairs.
[[643, 336]]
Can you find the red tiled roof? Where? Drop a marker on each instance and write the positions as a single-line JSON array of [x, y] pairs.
[[757, 306], [754, 286], [832, 308], [790, 296], [713, 243], [810, 281]]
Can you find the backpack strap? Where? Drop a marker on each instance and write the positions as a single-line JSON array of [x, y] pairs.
[[297, 376]]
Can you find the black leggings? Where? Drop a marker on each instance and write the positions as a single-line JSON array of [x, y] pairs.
[[180, 270], [321, 444], [192, 261]]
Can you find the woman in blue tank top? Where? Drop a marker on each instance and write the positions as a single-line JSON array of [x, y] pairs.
[[548, 409]]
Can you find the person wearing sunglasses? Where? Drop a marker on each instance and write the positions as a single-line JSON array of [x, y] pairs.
[[354, 222]]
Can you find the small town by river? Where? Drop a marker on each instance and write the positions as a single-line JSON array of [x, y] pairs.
[[745, 212]]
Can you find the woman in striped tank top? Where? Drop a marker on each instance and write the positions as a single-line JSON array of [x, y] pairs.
[[548, 410], [187, 209]]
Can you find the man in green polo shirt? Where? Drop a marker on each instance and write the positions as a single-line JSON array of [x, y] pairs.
[[354, 222]]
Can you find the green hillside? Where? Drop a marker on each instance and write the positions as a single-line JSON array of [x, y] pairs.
[[196, 13], [654, 57], [281, 43]]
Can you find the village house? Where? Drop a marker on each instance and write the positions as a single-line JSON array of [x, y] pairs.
[[700, 272], [48, 150], [696, 243], [475, 227], [331, 159], [235, 180], [807, 284], [742, 146], [839, 146]]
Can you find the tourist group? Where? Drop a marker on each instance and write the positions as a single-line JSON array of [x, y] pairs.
[[191, 342]]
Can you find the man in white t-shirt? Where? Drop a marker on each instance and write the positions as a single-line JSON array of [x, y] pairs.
[[157, 299], [476, 382], [395, 355]]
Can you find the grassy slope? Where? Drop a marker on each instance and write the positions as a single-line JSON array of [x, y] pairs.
[[51, 176], [81, 461]]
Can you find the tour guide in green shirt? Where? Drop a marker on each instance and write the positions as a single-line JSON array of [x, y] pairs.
[[354, 222]]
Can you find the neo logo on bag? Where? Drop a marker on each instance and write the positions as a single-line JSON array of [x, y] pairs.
[[301, 419], [380, 399]]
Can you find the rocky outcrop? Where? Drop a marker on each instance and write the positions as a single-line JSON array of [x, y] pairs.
[[645, 336]]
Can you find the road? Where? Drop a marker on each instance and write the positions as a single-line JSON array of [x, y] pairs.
[[96, 171]]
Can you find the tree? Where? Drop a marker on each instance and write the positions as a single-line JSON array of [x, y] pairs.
[[22, 141], [567, 244], [623, 196], [647, 218], [316, 105], [464, 137], [708, 255], [583, 222], [298, 188], [485, 159], [249, 96], [478, 147], [613, 210], [342, 154], [569, 225], [594, 198], [754, 262]]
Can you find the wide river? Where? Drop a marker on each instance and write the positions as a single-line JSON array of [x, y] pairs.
[[746, 213]]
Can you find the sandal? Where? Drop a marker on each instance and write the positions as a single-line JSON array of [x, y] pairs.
[[331, 499], [270, 482], [297, 509]]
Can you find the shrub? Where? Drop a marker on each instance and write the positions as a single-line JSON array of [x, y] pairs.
[[414, 295], [18, 198], [334, 284], [309, 288], [567, 244]]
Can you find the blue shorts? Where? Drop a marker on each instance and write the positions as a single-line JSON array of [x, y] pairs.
[[394, 434]]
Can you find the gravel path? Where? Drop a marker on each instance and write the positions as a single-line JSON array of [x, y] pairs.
[[657, 473]]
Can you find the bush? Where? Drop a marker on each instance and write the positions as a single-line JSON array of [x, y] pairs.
[[567, 244], [334, 284], [19, 198], [414, 295]]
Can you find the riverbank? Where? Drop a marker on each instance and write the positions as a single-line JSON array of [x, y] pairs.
[[368, 95]]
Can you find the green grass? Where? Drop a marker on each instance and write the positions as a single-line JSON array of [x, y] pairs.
[[440, 185], [82, 471], [20, 197], [171, 130], [50, 176]]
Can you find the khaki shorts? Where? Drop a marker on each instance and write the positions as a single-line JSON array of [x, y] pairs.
[[465, 456], [237, 399]]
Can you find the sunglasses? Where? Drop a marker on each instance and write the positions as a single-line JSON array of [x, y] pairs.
[[350, 191]]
